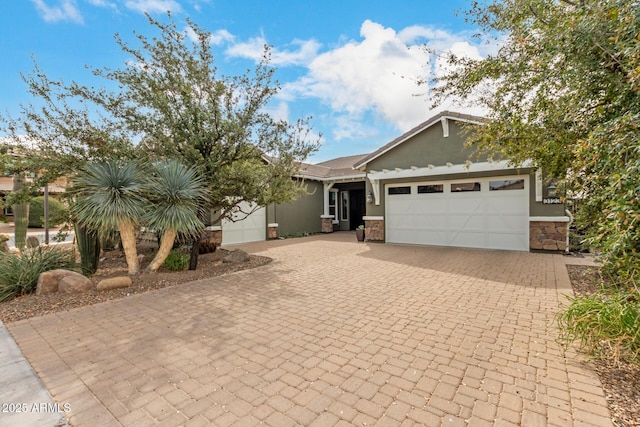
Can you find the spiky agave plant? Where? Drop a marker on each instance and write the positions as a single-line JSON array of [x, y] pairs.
[[111, 195], [176, 193]]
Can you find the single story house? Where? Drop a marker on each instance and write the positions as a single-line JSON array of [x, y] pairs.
[[425, 188]]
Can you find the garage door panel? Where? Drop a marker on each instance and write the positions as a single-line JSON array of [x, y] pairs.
[[431, 207], [464, 205], [467, 239], [474, 219], [250, 229], [431, 236], [466, 222], [508, 241], [509, 222]]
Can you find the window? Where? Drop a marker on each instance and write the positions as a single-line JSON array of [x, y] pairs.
[[460, 187], [344, 205], [399, 190], [333, 201], [8, 209], [507, 184], [428, 189]]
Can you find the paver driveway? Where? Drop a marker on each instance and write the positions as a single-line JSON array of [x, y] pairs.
[[333, 332]]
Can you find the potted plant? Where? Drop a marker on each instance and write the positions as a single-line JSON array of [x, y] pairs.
[[360, 233]]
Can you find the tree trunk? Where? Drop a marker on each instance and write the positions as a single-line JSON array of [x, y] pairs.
[[89, 247], [128, 238], [166, 244], [195, 252]]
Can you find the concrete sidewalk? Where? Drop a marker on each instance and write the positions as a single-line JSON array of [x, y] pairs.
[[333, 332], [25, 402]]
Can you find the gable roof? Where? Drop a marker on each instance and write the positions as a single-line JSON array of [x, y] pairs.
[[438, 118]]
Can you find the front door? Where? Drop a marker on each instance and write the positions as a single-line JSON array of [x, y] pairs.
[[356, 208]]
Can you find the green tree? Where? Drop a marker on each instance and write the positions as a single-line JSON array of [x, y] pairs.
[[57, 212], [174, 98], [110, 195], [563, 90], [175, 193], [54, 137]]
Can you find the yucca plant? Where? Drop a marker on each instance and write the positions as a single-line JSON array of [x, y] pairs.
[[19, 272], [176, 194], [110, 195]]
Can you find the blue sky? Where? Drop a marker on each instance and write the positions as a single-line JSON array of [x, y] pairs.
[[349, 64]]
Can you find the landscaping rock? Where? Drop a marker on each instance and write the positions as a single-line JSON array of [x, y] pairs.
[[32, 242], [4, 247], [75, 283], [114, 283], [49, 281], [62, 281], [236, 257]]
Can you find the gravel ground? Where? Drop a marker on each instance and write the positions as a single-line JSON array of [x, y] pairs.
[[621, 382]]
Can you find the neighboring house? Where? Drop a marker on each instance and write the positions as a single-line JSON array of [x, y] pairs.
[[426, 188], [6, 187]]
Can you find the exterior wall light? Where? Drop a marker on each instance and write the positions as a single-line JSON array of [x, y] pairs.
[[370, 197]]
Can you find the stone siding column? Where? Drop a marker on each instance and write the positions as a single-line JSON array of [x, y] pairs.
[[272, 231], [327, 223], [374, 228], [548, 235]]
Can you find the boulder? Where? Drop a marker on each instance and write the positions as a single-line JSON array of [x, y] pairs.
[[75, 283], [236, 256], [4, 246], [114, 283], [32, 242], [49, 281]]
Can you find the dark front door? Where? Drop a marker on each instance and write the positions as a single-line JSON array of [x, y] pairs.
[[356, 208]]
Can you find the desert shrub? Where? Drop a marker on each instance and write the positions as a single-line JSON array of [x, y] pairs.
[[605, 324], [19, 272], [177, 260], [36, 212]]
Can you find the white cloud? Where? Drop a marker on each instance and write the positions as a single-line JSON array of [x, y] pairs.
[[102, 3], [67, 10], [221, 36], [153, 6], [217, 38], [305, 52], [378, 74], [279, 111]]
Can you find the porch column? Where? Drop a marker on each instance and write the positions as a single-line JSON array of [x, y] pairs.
[[326, 218], [326, 186]]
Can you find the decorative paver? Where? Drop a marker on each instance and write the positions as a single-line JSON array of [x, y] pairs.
[[333, 332]]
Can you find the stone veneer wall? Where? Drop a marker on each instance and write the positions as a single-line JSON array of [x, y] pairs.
[[272, 231], [327, 224], [374, 230], [548, 235]]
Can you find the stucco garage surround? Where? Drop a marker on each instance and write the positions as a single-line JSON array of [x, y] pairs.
[[490, 213]]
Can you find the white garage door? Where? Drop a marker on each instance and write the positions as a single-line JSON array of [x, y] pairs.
[[488, 213], [251, 229]]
